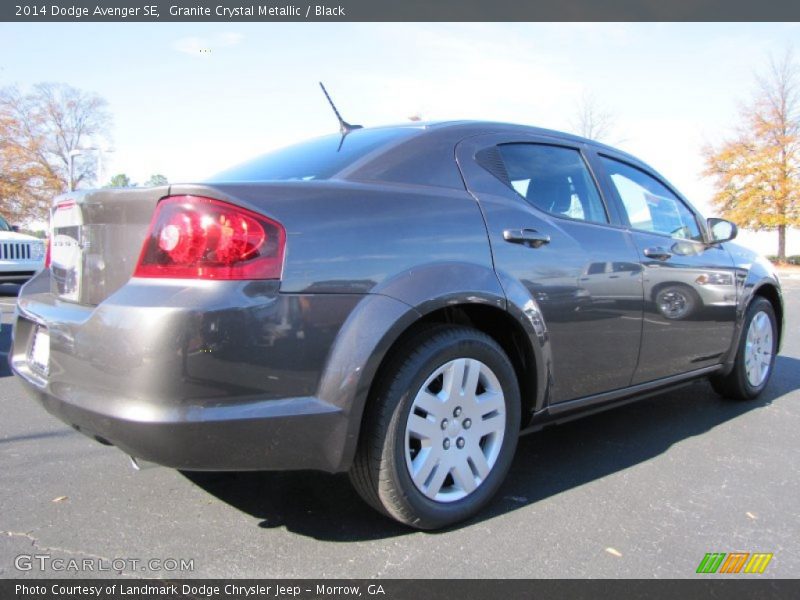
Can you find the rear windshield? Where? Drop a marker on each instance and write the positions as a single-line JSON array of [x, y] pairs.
[[4, 226], [320, 158]]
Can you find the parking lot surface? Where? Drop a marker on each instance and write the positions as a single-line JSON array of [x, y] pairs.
[[645, 490]]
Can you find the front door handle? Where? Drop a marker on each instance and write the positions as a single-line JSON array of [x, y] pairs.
[[526, 237], [658, 253]]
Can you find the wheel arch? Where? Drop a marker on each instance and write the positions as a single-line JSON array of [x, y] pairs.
[[495, 322], [355, 368], [768, 289], [430, 293], [770, 292]]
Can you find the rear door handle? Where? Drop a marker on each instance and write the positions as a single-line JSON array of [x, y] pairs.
[[658, 253], [526, 237]]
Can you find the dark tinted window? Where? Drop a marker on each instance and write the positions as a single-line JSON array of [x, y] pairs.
[[596, 268], [320, 158], [554, 179], [625, 267], [650, 205], [4, 226]]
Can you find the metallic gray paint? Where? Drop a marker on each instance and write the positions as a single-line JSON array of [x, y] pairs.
[[754, 275], [582, 328], [276, 375]]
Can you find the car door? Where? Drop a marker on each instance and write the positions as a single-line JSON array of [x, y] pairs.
[[552, 232], [689, 284]]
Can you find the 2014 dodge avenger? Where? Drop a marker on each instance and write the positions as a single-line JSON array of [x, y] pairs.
[[399, 303]]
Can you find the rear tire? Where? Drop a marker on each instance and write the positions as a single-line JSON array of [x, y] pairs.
[[441, 429], [755, 357]]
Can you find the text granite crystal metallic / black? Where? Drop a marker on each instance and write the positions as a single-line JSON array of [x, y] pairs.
[[397, 302]]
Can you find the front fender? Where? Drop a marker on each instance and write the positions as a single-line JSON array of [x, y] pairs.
[[753, 272]]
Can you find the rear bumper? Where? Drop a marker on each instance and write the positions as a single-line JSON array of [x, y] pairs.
[[293, 433], [208, 376]]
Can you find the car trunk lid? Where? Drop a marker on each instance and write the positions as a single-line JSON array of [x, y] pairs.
[[96, 239]]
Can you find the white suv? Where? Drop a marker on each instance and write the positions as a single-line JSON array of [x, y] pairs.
[[21, 256]]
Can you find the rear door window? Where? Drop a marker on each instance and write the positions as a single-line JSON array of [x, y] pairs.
[[554, 179]]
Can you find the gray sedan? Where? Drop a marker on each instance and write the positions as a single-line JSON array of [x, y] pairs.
[[400, 303]]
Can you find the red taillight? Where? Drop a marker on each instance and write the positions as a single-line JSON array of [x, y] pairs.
[[47, 252], [192, 237]]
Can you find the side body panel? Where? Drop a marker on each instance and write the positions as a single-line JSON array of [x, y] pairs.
[[698, 335], [345, 237], [592, 326], [690, 292]]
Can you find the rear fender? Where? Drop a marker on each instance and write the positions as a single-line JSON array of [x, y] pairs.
[[379, 320]]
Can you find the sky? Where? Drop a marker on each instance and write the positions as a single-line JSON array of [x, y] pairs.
[[190, 99]]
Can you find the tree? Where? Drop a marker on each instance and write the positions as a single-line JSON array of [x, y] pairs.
[[757, 171], [38, 131], [17, 175], [592, 120], [120, 180], [156, 180]]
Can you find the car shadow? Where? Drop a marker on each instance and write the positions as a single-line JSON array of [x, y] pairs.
[[547, 463]]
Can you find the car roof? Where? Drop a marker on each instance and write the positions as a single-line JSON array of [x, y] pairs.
[[468, 128]]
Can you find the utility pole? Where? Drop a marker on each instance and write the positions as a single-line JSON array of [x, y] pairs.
[[78, 152], [71, 164]]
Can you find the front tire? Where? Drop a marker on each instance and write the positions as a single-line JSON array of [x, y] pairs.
[[755, 357], [440, 431]]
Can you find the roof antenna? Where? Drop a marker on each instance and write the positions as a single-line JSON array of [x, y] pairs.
[[344, 126]]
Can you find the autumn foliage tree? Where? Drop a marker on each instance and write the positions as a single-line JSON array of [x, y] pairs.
[[38, 130], [757, 171]]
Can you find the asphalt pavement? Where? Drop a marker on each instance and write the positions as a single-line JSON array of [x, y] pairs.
[[645, 490]]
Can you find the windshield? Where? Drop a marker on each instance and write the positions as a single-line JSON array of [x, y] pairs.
[[320, 158], [4, 226]]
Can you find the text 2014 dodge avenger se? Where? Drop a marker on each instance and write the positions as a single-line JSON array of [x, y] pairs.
[[400, 303]]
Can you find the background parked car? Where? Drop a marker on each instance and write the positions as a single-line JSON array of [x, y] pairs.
[[21, 256]]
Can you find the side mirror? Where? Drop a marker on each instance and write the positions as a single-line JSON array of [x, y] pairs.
[[722, 230], [15, 228]]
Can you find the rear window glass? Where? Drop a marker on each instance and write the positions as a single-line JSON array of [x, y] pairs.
[[320, 158]]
